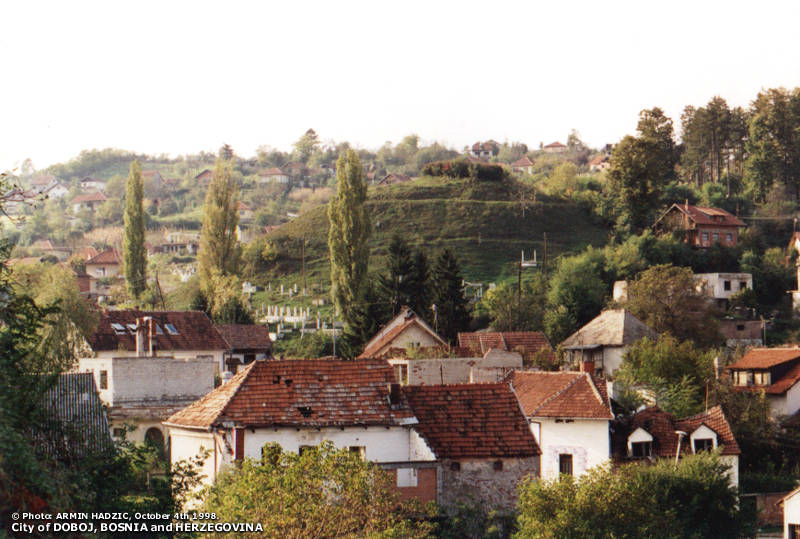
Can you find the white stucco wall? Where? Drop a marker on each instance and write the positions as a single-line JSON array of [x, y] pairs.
[[412, 335], [587, 440], [786, 404], [715, 282], [217, 355], [187, 444], [791, 512], [142, 426], [733, 472], [612, 359]]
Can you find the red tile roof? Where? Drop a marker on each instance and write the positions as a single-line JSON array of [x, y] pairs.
[[245, 337], [764, 358], [90, 197], [555, 145], [242, 206], [481, 342], [393, 329], [707, 216], [271, 172], [662, 426], [109, 256], [524, 162], [302, 393], [561, 394], [472, 421], [194, 331]]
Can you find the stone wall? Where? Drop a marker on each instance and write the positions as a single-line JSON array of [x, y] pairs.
[[479, 481]]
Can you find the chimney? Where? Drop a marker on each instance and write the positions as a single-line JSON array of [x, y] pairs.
[[144, 334]]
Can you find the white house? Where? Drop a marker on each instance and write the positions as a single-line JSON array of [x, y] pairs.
[[403, 332], [791, 514], [247, 343], [775, 371], [176, 334], [721, 286], [273, 175], [569, 414], [493, 367], [301, 403]]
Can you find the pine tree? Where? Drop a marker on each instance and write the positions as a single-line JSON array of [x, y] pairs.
[[451, 315], [420, 284], [133, 250], [348, 235], [218, 255], [396, 287]]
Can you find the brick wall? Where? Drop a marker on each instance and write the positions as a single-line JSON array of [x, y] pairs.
[[425, 491], [478, 480]]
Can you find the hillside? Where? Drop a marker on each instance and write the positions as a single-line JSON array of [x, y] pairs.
[[482, 224]]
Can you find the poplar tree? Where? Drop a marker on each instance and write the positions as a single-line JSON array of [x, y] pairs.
[[218, 255], [133, 250], [348, 235]]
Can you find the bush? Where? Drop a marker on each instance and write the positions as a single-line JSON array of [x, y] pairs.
[[462, 168]]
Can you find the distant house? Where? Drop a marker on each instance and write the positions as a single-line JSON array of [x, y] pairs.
[[49, 249], [105, 264], [742, 332], [484, 150], [403, 332], [393, 178], [296, 171], [90, 185], [244, 211], [273, 175], [775, 371], [204, 177], [300, 403], [653, 433], [702, 227], [480, 438], [494, 366], [247, 343], [555, 147], [523, 166], [527, 343], [602, 342], [59, 190], [88, 201], [569, 414], [42, 184], [791, 514], [722, 286], [152, 179], [600, 163], [177, 334]]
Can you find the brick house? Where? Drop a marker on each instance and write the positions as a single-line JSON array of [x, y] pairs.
[[301, 403], [653, 433], [569, 414], [775, 371], [480, 438], [703, 227]]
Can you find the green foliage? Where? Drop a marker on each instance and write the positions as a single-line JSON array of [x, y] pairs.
[[325, 492], [134, 256], [451, 315], [218, 254], [310, 345], [772, 277], [579, 286], [463, 168], [470, 520], [347, 238], [512, 309], [694, 499], [306, 145]]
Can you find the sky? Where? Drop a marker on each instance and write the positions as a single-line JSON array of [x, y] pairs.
[[183, 77]]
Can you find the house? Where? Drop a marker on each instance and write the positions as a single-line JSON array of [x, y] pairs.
[[604, 340], [300, 403], [204, 177], [177, 334], [87, 253], [791, 514], [246, 343], [702, 227], [404, 332], [569, 414], [393, 178], [59, 190], [742, 332], [273, 175], [48, 248], [42, 184], [528, 343], [105, 264], [775, 371], [722, 286], [296, 171], [523, 165], [88, 201], [90, 185], [244, 211], [480, 438], [143, 390], [492, 367], [653, 433], [484, 150], [555, 147], [600, 163], [153, 180], [74, 403]]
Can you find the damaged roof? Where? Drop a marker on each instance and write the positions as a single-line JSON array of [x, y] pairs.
[[561, 394], [614, 327]]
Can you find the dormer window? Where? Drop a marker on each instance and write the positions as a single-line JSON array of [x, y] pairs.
[[743, 378], [119, 329], [171, 329], [762, 378], [703, 444], [640, 444], [703, 439]]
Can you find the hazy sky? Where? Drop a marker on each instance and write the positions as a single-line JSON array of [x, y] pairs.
[[181, 77]]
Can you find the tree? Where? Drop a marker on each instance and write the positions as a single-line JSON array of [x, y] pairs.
[[419, 279], [218, 253], [134, 256], [396, 288], [579, 286], [693, 499], [348, 235], [512, 309], [306, 145], [323, 492], [666, 298], [451, 314]]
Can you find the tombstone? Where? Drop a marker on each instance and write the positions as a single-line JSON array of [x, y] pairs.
[[281, 290]]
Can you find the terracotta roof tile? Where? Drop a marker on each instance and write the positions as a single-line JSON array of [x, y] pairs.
[[472, 421], [561, 394], [764, 358], [245, 337], [89, 197], [524, 162], [194, 331], [302, 393], [393, 329], [707, 216], [481, 342], [109, 256]]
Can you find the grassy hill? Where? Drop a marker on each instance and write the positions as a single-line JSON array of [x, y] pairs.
[[483, 224]]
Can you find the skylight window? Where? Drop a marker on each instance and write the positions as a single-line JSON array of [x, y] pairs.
[[171, 329], [132, 328], [159, 331], [119, 329]]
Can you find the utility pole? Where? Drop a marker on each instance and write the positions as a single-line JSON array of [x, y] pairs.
[[544, 261], [160, 295], [304, 266], [333, 328]]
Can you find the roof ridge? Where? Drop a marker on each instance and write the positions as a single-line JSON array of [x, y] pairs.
[[245, 373], [556, 394], [594, 388]]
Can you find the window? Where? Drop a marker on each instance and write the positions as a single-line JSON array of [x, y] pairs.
[[565, 464], [729, 237], [703, 444], [727, 285], [641, 449], [159, 331], [131, 328], [103, 379], [739, 327], [359, 450], [303, 448], [401, 374], [742, 285], [762, 378], [171, 329], [743, 378], [497, 465], [715, 236], [705, 236], [455, 466], [119, 329]]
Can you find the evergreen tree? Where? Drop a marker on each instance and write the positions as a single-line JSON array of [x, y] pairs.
[[420, 284], [397, 288], [450, 315], [133, 251], [368, 314], [218, 252], [348, 235]]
